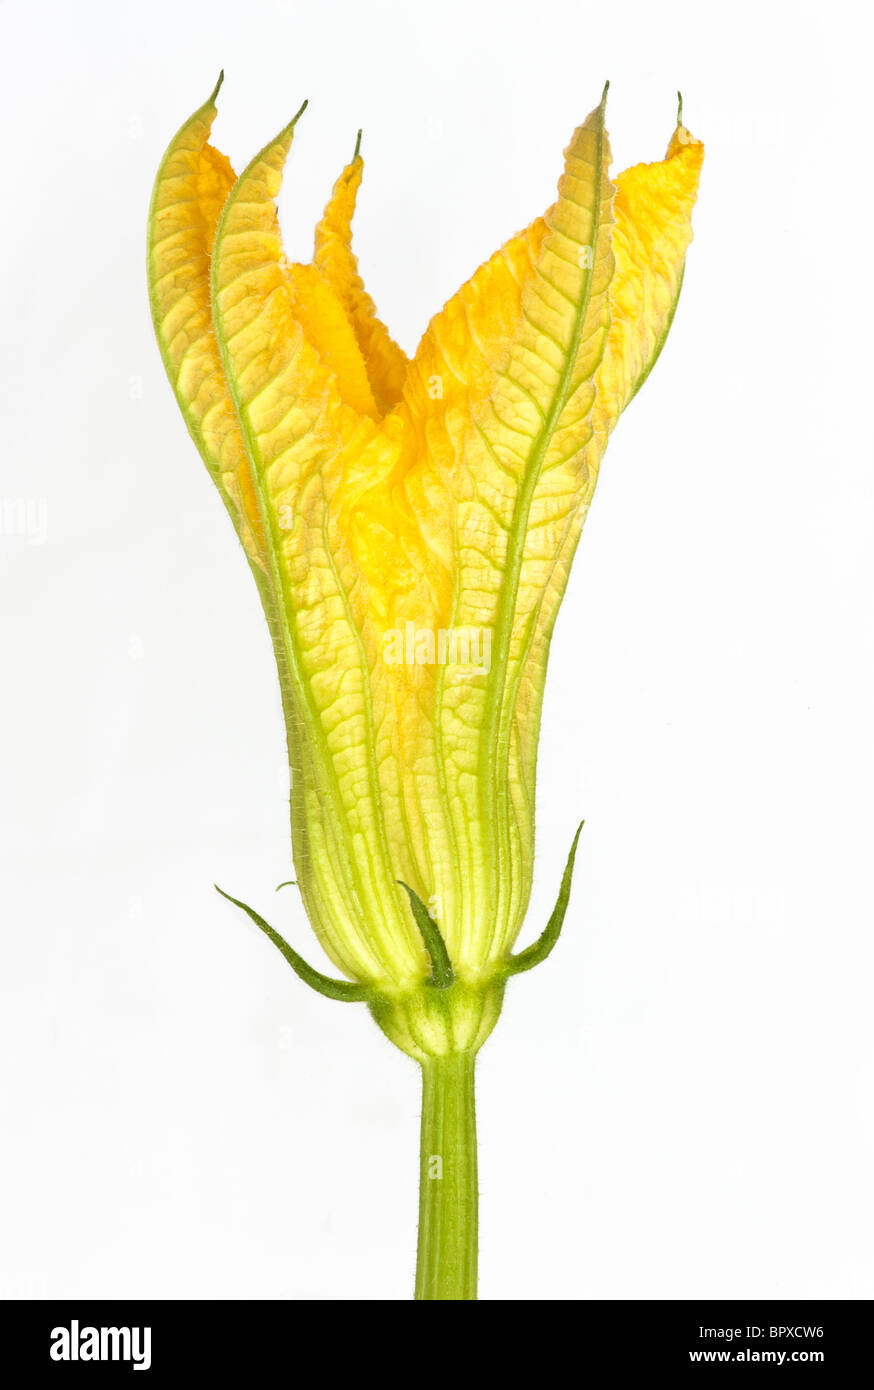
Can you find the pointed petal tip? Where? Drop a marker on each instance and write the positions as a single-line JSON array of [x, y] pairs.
[[679, 108], [357, 147], [597, 117], [287, 131], [217, 88]]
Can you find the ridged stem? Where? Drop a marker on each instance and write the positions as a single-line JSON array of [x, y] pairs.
[[446, 1267]]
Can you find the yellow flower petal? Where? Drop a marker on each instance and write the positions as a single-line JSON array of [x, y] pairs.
[[326, 327], [653, 230], [498, 404], [303, 437], [191, 187], [334, 259]]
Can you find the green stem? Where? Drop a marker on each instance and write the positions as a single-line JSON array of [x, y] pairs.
[[448, 1195]]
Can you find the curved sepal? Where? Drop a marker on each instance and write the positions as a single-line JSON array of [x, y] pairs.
[[540, 949], [442, 973], [344, 990]]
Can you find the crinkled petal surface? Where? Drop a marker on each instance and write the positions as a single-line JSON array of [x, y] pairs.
[[334, 258]]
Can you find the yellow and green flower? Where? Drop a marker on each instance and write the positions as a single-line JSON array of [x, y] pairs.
[[410, 524]]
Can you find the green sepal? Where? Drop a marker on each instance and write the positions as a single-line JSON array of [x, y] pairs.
[[540, 949], [344, 990], [289, 883], [442, 973]]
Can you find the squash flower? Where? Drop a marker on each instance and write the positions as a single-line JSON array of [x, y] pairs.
[[410, 524]]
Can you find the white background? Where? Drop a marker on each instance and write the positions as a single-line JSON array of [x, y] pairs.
[[679, 1104]]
